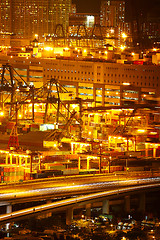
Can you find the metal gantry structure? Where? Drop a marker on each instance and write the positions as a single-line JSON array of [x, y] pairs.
[[16, 93], [12, 86], [80, 33]]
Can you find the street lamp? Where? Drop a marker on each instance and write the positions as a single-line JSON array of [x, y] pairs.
[[123, 46], [36, 36], [124, 36]]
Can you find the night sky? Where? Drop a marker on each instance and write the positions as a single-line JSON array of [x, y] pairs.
[[87, 6], [144, 6]]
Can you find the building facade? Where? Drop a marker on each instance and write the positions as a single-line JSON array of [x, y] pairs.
[[27, 18], [107, 84], [5, 16], [112, 13]]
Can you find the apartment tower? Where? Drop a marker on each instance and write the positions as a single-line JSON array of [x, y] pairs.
[[28, 17]]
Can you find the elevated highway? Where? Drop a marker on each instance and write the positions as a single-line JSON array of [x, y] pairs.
[[80, 200], [65, 187]]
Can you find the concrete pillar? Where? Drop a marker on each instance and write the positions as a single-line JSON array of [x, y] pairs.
[[105, 207], [88, 210], [127, 204], [142, 203], [69, 216], [8, 210]]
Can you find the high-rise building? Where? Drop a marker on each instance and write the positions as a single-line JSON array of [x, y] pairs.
[[5, 16], [112, 13], [73, 8], [29, 17], [145, 21]]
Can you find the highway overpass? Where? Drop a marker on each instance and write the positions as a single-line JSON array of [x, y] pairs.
[[72, 191], [77, 201], [49, 189]]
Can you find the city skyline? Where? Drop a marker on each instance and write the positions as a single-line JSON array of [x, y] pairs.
[[80, 119], [26, 18], [94, 6]]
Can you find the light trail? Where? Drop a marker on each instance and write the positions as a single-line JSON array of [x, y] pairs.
[[71, 201], [74, 188]]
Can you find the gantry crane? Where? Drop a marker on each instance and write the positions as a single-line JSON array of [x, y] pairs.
[[123, 129], [57, 134], [20, 93], [12, 85]]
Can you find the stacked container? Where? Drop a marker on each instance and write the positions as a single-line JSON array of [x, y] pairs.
[[11, 173]]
